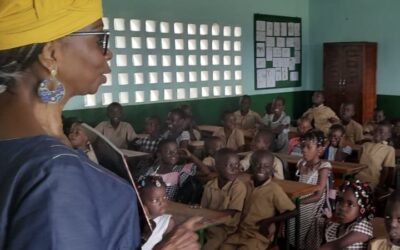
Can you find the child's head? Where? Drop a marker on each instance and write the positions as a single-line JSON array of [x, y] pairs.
[[392, 217], [228, 120], [114, 113], [151, 125], [312, 144], [261, 163], [347, 111], [396, 128], [187, 109], [73, 130], [227, 163], [336, 133], [212, 145], [379, 115], [268, 108], [278, 105], [303, 125], [354, 201], [262, 140], [167, 152], [318, 98], [383, 132], [176, 120], [245, 102], [152, 190]]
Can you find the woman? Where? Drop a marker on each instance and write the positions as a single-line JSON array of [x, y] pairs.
[[50, 196]]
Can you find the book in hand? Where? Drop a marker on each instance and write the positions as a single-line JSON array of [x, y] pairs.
[[113, 159]]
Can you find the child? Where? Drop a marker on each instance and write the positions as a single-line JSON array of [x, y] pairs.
[[294, 145], [337, 150], [354, 211], [176, 128], [226, 193], [152, 128], [120, 133], [231, 136], [76, 135], [190, 124], [392, 223], [264, 197], [246, 119], [322, 115], [263, 140], [311, 170], [174, 175], [378, 116], [378, 156], [279, 122], [152, 192], [212, 145], [354, 130]]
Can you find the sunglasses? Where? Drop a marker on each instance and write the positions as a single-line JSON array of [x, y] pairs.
[[104, 37]]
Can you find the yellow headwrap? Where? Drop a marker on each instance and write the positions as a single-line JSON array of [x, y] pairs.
[[24, 22]]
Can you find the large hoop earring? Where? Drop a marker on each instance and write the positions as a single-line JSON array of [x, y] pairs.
[[51, 96]]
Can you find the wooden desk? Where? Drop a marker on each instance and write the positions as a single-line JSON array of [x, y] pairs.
[[208, 128], [133, 154], [197, 144], [296, 189], [182, 212]]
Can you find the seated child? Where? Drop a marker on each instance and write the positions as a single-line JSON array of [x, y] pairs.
[[337, 150], [120, 133], [378, 156], [354, 130], [378, 116], [152, 128], [224, 193], [263, 140], [396, 134], [264, 198], [231, 136], [368, 132], [294, 145], [311, 170], [212, 145], [351, 228], [76, 135], [279, 123], [174, 175], [152, 193], [246, 119], [322, 115], [392, 223], [176, 128], [190, 124]]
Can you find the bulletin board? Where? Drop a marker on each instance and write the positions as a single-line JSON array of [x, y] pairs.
[[277, 51]]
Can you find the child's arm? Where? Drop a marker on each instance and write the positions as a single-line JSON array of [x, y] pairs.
[[347, 240], [322, 179], [203, 168], [171, 225]]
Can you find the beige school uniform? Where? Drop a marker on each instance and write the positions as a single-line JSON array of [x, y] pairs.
[[375, 155], [261, 203], [382, 244], [234, 141], [120, 136], [278, 166], [247, 122], [231, 196], [354, 131], [320, 115]]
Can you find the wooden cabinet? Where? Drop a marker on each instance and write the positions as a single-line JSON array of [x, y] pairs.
[[350, 75]]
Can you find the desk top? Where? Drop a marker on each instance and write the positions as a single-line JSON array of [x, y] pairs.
[[337, 166], [209, 128], [131, 153], [182, 212]]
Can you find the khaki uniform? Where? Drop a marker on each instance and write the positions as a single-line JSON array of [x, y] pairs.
[[278, 166], [320, 115], [231, 196], [375, 155], [247, 122], [354, 131], [120, 136], [261, 203], [234, 141], [382, 244]]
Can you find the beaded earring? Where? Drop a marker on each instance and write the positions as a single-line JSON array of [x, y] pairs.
[[51, 96]]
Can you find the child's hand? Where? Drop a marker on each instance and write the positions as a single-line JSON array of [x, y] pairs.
[[184, 153], [333, 120]]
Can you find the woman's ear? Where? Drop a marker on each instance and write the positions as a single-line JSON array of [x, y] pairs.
[[46, 58]]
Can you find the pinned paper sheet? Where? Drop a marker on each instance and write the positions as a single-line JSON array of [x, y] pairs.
[[294, 76], [290, 42], [280, 42], [297, 56], [261, 78], [261, 63], [260, 25], [283, 29], [270, 28], [277, 29], [270, 41], [268, 53], [290, 29], [276, 52], [271, 78], [297, 29], [278, 74], [292, 63], [297, 43], [285, 74], [260, 50], [285, 52], [260, 36]]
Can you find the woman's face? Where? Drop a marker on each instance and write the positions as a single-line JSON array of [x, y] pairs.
[[81, 63]]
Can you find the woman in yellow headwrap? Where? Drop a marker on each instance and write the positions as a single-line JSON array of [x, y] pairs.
[[51, 197]]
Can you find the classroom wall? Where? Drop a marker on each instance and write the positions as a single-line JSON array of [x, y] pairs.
[[360, 20], [233, 12]]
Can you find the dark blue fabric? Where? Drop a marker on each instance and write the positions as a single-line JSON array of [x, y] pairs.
[[52, 197]]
